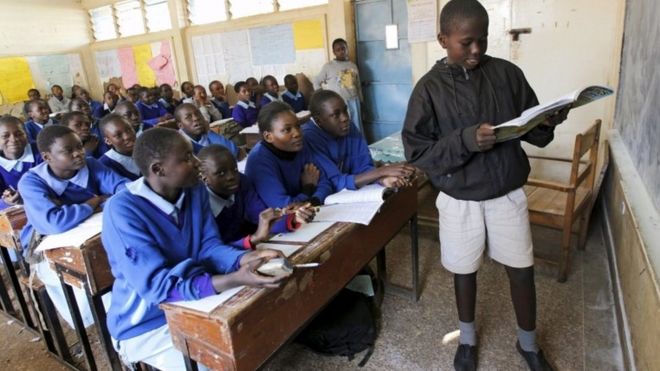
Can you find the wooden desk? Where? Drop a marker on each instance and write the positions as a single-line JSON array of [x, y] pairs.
[[249, 328], [12, 220]]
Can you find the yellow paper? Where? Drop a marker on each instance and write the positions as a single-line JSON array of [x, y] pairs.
[[142, 55], [15, 79], [308, 35]]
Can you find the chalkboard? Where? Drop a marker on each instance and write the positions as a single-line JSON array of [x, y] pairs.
[[638, 109]]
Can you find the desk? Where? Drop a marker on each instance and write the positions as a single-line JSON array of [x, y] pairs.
[[249, 328]]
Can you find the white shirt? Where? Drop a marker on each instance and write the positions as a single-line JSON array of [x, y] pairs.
[[218, 203], [140, 188], [59, 185]]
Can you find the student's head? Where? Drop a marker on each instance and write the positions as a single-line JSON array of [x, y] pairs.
[[464, 32], [75, 91], [191, 120], [148, 96], [166, 92], [38, 110], [129, 111], [110, 99], [165, 157], [79, 122], [291, 83], [252, 84], [188, 89], [79, 105], [57, 91], [61, 148], [132, 95], [33, 94], [269, 83], [112, 88], [118, 133], [12, 137], [242, 91], [219, 170], [340, 49], [137, 86], [279, 126], [84, 95], [199, 93], [217, 89], [330, 112]]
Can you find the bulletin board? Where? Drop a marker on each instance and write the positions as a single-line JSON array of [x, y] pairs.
[[146, 64], [19, 74], [277, 50]]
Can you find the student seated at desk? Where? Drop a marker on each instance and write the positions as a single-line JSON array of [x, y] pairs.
[[242, 217], [58, 102], [79, 105], [292, 96], [39, 114], [163, 246], [201, 101], [130, 112], [340, 149], [110, 100], [80, 124], [188, 90], [59, 194], [97, 107], [167, 99], [245, 112], [120, 137], [17, 156], [271, 90], [33, 94], [152, 112], [255, 90], [195, 128], [219, 98], [281, 166], [132, 95]]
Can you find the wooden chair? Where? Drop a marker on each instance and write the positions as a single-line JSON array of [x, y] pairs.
[[559, 204]]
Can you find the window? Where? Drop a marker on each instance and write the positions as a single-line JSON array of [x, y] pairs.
[[158, 15], [129, 18], [206, 11], [294, 4], [103, 25], [246, 8]]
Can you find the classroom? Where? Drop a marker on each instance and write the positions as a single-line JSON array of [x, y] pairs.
[[329, 184]]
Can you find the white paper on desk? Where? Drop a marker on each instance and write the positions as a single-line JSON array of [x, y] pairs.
[[209, 303], [305, 233], [287, 250], [220, 122], [303, 114], [254, 129], [74, 237], [360, 213], [241, 165], [369, 193]]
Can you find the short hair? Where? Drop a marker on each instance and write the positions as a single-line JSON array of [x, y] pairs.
[[56, 86], [155, 143], [214, 82], [165, 85], [33, 90], [69, 116], [239, 85], [124, 103], [106, 120], [183, 86], [33, 103], [289, 76], [9, 119], [143, 90], [318, 98], [250, 79], [269, 113], [214, 151], [49, 135], [337, 41], [460, 10], [181, 106], [75, 101], [266, 78]]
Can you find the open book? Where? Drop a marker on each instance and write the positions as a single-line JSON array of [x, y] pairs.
[[533, 116], [359, 206], [74, 237]]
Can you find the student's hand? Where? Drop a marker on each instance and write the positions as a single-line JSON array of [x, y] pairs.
[[485, 136], [261, 254], [394, 182], [11, 197], [164, 118], [305, 214], [242, 154], [171, 124], [266, 219], [557, 118], [96, 202], [310, 175], [396, 170], [247, 275]]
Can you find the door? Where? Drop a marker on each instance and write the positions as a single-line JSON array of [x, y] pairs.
[[386, 74]]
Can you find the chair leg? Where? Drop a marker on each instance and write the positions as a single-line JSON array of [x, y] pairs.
[[584, 229], [565, 257]]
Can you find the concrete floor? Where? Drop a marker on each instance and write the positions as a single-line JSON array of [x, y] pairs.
[[576, 319]]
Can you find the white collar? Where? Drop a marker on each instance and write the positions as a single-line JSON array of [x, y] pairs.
[[203, 140], [246, 105], [126, 161], [140, 188], [49, 122], [290, 95], [267, 95], [218, 203], [17, 164], [153, 105], [59, 185]]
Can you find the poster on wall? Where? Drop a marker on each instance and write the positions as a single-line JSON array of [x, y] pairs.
[[422, 20]]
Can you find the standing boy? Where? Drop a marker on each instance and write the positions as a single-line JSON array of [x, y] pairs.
[[449, 133]]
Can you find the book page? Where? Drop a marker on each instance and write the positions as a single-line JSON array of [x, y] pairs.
[[305, 233], [74, 237], [369, 193], [254, 129], [287, 250], [209, 303], [361, 213], [220, 122]]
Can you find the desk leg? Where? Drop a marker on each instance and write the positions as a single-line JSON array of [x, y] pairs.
[[414, 247], [7, 305], [77, 320], [381, 266], [191, 365], [53, 334], [27, 318], [98, 311]]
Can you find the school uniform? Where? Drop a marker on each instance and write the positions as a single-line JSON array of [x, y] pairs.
[[245, 114], [32, 128], [209, 112], [141, 128], [222, 106], [237, 217], [159, 252], [296, 101], [268, 98], [11, 171], [53, 205], [169, 107], [276, 175], [151, 113], [211, 138], [341, 158], [121, 164], [59, 105], [97, 109]]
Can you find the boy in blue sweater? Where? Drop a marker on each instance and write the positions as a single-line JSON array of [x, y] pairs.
[[120, 137], [242, 217], [152, 112], [219, 98], [271, 90], [292, 96], [281, 166], [95, 106], [17, 156], [195, 128], [163, 246], [80, 124], [245, 112], [341, 150], [129, 111], [59, 194], [39, 114]]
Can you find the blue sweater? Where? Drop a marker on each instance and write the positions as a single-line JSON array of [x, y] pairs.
[[150, 255], [277, 180], [53, 205], [213, 138], [32, 129], [11, 177], [266, 99], [117, 167], [223, 107], [97, 109], [341, 158], [245, 114], [296, 101], [151, 114]]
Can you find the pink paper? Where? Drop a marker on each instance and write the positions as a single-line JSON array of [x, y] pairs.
[[127, 64], [162, 65]]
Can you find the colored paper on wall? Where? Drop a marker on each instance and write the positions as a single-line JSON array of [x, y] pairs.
[[15, 79], [107, 63], [127, 65], [308, 35], [54, 70], [142, 55], [272, 45], [162, 65]]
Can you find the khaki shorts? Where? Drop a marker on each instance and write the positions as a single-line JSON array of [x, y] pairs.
[[467, 227]]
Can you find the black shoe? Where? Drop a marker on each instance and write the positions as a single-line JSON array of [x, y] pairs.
[[535, 361], [465, 358]]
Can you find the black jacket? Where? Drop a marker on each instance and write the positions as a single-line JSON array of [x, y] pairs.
[[444, 111]]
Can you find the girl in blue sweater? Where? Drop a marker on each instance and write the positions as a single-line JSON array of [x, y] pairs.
[[163, 246], [120, 137], [17, 156]]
